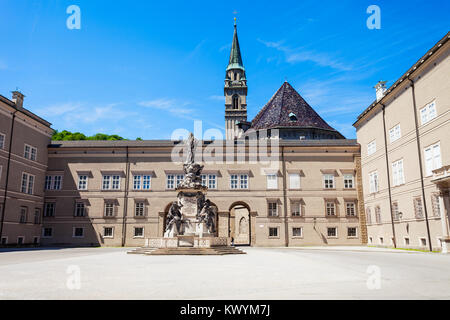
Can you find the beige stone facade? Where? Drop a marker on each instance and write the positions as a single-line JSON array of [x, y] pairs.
[[404, 138], [259, 212], [24, 138]]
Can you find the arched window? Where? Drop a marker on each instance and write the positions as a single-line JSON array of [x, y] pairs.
[[235, 102]]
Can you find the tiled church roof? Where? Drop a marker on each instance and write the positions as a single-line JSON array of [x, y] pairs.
[[285, 104]]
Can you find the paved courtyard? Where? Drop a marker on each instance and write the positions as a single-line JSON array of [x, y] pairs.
[[276, 273]]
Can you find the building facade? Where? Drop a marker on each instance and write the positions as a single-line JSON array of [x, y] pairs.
[[405, 151], [24, 138]]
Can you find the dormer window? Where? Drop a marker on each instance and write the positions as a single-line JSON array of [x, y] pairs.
[[293, 116]]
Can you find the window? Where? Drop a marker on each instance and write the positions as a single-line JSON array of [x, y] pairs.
[[108, 232], [109, 209], [381, 240], [78, 232], [239, 181], [418, 208], [20, 240], [235, 102], [170, 181], [332, 232], [328, 181], [180, 178], [4, 241], [436, 205], [428, 112], [47, 232], [349, 181], [138, 232], [142, 182], [139, 209], [395, 133], [111, 182], [49, 210], [30, 153], [273, 232], [331, 208], [53, 182], [37, 216], [351, 232], [395, 211], [423, 242], [397, 173], [297, 232], [369, 216], [209, 180], [406, 241], [296, 209], [27, 183], [272, 207], [272, 181], [373, 180], [294, 181], [80, 209], [433, 158], [2, 141], [372, 147], [378, 214], [350, 209], [23, 215], [82, 182]]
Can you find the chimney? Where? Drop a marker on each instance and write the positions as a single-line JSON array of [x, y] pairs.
[[380, 89], [17, 98]]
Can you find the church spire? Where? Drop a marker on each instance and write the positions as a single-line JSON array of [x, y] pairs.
[[235, 55]]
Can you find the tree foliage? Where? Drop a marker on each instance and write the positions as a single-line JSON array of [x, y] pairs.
[[77, 136]]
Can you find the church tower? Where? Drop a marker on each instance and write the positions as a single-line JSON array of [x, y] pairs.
[[235, 91]]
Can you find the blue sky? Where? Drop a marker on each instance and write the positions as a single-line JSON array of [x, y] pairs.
[[146, 68]]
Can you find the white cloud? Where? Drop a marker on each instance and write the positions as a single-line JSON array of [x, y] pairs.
[[169, 105]]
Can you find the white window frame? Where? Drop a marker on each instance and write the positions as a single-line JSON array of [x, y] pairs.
[[239, 181], [301, 232], [428, 113], [356, 233], [349, 181], [138, 237], [278, 232], [104, 233], [350, 206], [2, 141], [330, 209], [111, 182], [395, 133], [77, 207], [433, 158], [294, 181], [46, 208], [138, 207], [336, 233], [30, 152], [373, 182], [272, 181], [371, 147], [296, 205], [398, 173], [210, 181], [272, 207], [27, 183], [109, 206], [53, 182], [170, 182], [83, 180], [328, 181]]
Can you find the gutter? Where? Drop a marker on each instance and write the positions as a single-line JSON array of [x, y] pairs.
[[286, 224], [388, 175], [7, 173], [125, 198], [419, 154]]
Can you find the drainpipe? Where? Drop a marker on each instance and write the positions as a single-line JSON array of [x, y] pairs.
[[7, 173], [388, 174], [419, 154], [125, 199], [286, 224]]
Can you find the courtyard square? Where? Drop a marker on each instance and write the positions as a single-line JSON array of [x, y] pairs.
[[263, 273]]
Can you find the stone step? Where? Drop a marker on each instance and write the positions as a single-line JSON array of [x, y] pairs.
[[188, 251]]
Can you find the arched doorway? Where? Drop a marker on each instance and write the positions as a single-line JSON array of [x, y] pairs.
[[240, 224]]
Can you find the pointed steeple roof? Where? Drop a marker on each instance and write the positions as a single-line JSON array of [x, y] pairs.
[[235, 55], [287, 108]]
